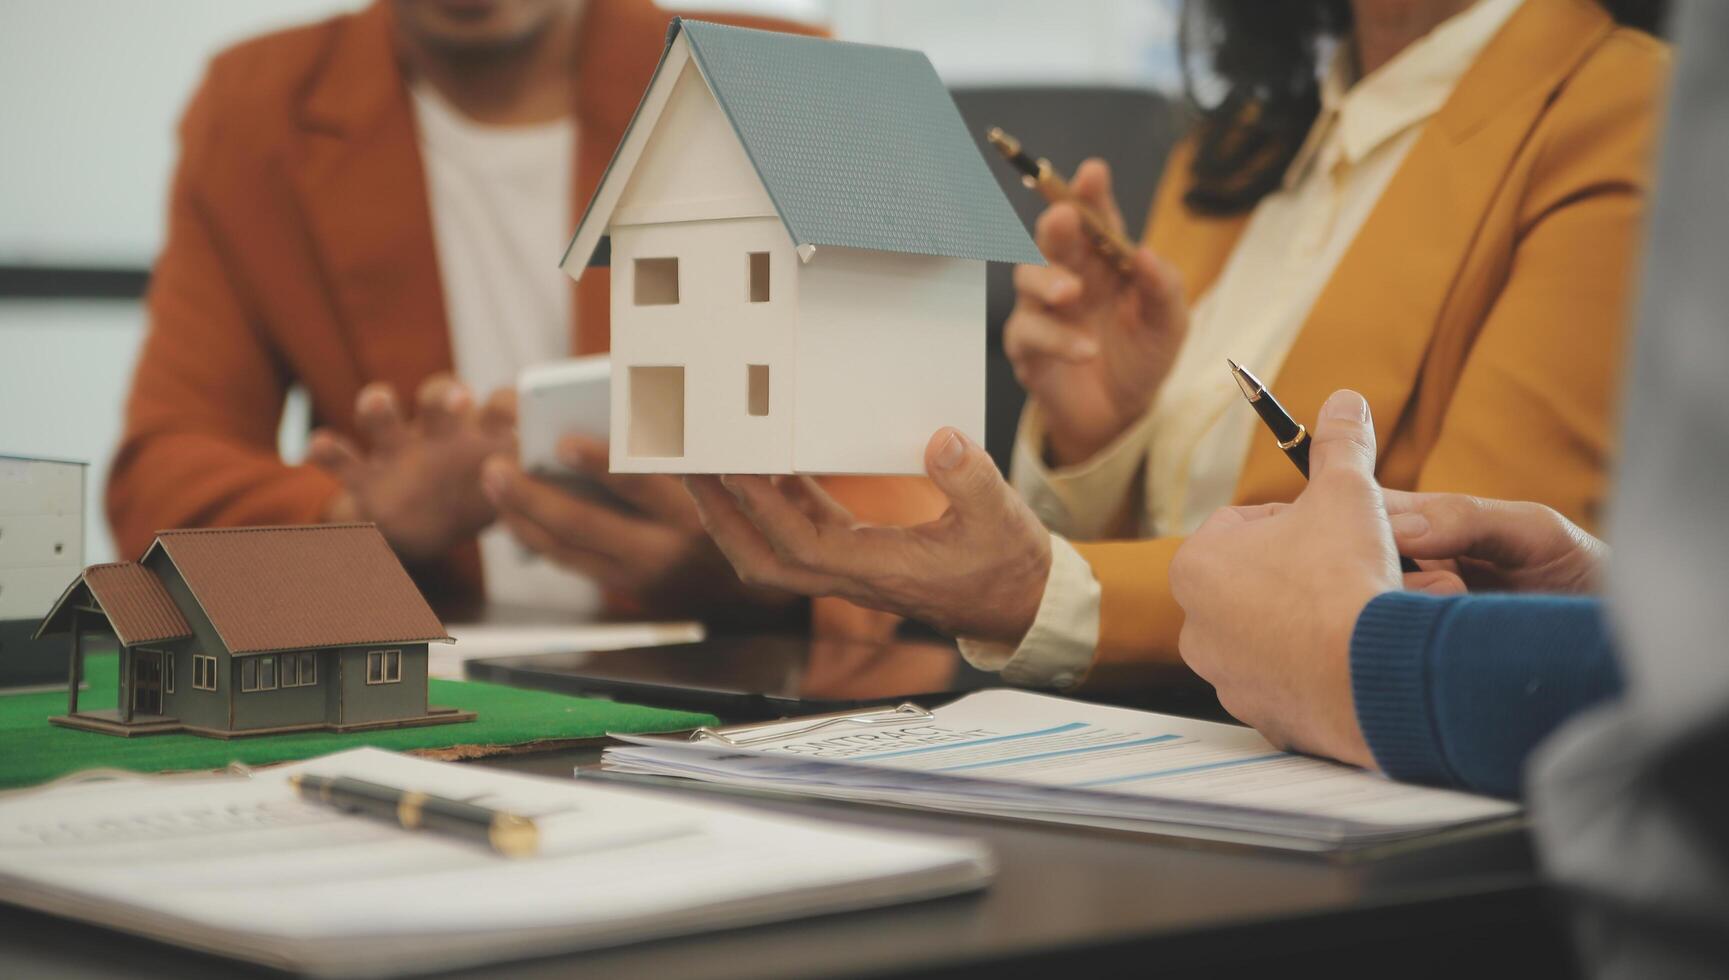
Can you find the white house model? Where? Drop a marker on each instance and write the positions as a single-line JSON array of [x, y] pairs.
[[798, 236]]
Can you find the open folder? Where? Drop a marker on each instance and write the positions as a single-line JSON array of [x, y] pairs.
[[243, 867], [1018, 754]]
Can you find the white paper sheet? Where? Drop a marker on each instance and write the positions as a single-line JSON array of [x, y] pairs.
[[1018, 753], [247, 856]]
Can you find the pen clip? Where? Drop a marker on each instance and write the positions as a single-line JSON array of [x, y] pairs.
[[741, 735]]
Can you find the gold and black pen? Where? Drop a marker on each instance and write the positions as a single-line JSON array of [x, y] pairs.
[[1293, 436], [507, 833], [1040, 176]]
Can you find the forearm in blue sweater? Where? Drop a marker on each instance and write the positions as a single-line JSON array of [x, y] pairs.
[[1457, 691]]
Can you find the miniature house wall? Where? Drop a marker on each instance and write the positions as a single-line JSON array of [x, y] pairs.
[[738, 348], [240, 631]]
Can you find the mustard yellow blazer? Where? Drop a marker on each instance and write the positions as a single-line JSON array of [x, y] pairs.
[[1481, 309]]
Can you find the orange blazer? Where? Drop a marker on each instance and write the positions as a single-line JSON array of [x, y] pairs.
[[300, 251], [1481, 309]]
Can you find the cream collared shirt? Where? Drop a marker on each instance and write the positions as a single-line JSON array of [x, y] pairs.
[[1183, 459]]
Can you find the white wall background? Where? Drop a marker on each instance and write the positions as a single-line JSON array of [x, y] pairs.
[[90, 91]]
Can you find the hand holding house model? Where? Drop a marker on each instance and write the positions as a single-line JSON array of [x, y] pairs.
[[798, 236]]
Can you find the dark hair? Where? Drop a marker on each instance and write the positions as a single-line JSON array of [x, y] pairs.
[[1266, 57]]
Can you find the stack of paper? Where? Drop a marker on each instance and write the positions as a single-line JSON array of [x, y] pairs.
[[242, 866], [1017, 754]]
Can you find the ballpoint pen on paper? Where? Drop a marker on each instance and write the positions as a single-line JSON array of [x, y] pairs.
[[1293, 436], [507, 833], [1040, 176]]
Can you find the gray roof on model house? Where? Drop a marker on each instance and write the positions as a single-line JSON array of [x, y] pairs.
[[858, 145]]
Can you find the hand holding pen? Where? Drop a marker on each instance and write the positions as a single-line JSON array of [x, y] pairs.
[[1094, 334], [1293, 436]]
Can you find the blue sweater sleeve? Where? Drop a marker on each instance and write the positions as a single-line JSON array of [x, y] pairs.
[[1457, 691]]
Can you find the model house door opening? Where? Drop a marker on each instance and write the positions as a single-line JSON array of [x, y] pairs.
[[146, 682]]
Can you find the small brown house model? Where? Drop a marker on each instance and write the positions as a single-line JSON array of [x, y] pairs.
[[244, 631]]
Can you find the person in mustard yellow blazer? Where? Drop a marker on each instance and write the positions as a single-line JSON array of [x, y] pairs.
[[1452, 235]]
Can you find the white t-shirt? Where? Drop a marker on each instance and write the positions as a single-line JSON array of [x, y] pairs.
[[500, 200]]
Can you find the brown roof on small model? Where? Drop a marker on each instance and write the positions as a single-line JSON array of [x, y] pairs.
[[300, 587], [136, 604]]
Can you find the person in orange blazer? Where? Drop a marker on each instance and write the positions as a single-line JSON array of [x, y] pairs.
[[1479, 307], [301, 252]]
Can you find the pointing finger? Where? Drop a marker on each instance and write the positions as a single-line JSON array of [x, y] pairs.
[[1063, 241], [1092, 184]]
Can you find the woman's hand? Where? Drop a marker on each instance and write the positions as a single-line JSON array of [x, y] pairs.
[[1090, 344], [977, 571], [1495, 545]]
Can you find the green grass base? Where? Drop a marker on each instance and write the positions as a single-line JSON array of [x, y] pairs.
[[33, 751]]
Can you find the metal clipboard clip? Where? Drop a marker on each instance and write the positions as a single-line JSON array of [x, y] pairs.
[[739, 736]]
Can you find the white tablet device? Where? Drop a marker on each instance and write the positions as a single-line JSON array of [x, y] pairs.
[[556, 399]]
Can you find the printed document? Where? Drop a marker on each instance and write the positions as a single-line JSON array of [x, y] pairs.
[[1016, 753], [243, 866]]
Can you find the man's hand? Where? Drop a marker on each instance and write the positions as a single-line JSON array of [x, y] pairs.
[[647, 543], [978, 571], [1496, 545], [1090, 344], [418, 480], [1271, 593]]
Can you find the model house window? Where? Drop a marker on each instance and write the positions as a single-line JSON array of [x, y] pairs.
[[384, 667], [656, 411], [758, 396], [759, 277], [203, 672], [258, 674], [298, 669], [656, 282]]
